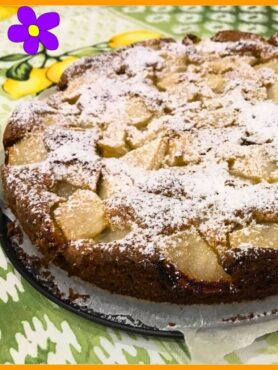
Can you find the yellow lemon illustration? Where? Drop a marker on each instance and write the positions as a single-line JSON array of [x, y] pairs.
[[37, 82], [7, 11], [131, 37], [56, 70]]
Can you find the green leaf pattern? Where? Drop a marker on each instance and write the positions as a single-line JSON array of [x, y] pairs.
[[32, 329], [12, 57], [20, 71]]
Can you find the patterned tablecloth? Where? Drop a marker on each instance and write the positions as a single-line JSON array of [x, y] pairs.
[[32, 329]]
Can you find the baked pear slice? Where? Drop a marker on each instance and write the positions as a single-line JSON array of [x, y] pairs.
[[170, 81], [113, 144], [259, 236], [258, 165], [82, 216], [271, 64], [253, 255], [193, 257], [111, 184], [138, 113], [215, 82], [109, 235], [28, 150], [179, 152], [149, 156], [64, 189], [272, 92]]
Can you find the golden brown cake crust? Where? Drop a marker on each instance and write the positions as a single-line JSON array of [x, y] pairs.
[[152, 171]]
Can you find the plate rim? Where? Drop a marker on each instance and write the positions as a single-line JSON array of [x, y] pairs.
[[96, 317]]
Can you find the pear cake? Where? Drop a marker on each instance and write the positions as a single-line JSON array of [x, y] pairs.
[[152, 171]]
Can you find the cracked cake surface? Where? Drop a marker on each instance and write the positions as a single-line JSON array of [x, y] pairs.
[[153, 171]]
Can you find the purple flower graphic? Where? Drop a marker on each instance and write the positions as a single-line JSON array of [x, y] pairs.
[[32, 31]]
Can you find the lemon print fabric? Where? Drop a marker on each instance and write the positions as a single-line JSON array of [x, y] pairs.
[[131, 37], [24, 79], [56, 70], [37, 82], [7, 12]]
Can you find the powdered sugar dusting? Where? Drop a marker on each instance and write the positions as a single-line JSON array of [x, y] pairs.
[[212, 113]]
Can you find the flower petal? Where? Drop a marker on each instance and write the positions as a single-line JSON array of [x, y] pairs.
[[26, 15], [49, 40], [31, 45], [47, 21], [18, 33]]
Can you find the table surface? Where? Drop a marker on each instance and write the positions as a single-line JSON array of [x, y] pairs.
[[33, 329]]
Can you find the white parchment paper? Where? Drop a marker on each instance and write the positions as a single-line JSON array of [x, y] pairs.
[[210, 345]]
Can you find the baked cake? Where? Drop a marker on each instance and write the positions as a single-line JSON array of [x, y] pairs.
[[153, 171]]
